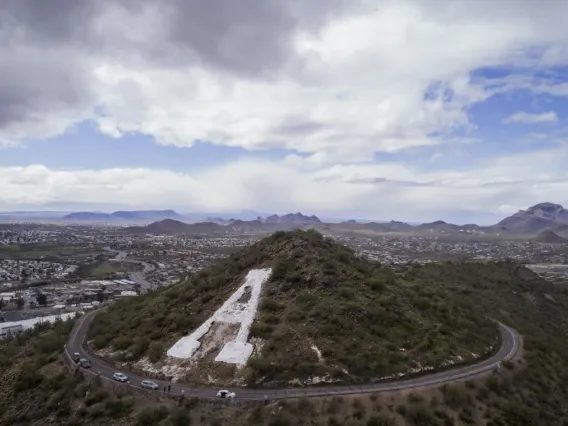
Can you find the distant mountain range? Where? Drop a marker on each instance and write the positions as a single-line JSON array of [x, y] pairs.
[[218, 225], [545, 222], [126, 216]]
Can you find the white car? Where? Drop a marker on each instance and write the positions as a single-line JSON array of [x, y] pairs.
[[119, 377], [148, 384], [224, 393]]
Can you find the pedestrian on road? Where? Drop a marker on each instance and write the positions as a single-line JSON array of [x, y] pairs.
[[169, 388], [165, 388]]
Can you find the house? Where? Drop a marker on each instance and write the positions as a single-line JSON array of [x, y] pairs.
[[8, 331], [7, 296]]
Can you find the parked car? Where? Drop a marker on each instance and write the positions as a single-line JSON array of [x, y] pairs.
[[224, 393], [119, 377], [76, 357], [85, 363], [148, 384]]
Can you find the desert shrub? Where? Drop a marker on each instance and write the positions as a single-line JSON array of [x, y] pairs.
[[421, 416], [334, 405], [151, 416], [305, 406], [96, 397], [455, 395], [117, 408], [493, 384], [28, 378], [359, 411], [381, 420], [415, 398], [155, 352], [281, 418]]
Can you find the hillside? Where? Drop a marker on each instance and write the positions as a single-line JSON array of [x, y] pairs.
[[38, 390], [324, 315], [535, 219], [550, 237], [174, 227]]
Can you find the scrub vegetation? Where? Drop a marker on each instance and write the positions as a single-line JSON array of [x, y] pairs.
[[324, 315], [530, 391]]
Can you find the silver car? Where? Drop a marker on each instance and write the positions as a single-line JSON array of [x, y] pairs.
[[148, 384], [119, 377]]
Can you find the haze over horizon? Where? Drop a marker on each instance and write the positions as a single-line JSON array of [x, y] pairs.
[[410, 112]]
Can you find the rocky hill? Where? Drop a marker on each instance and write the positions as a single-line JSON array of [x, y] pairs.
[[538, 218], [175, 227], [291, 218], [324, 315], [550, 237], [37, 388]]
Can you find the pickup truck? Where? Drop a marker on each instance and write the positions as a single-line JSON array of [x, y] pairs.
[[85, 363]]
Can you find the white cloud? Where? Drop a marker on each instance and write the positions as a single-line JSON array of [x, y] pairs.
[[379, 191], [352, 85], [527, 118], [360, 91], [335, 85]]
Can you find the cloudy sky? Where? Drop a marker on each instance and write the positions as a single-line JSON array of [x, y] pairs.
[[409, 109]]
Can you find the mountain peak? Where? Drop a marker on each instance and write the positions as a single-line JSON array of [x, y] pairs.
[[549, 211], [537, 218], [289, 218]]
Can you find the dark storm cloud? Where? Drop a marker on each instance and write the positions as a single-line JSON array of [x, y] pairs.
[[50, 22], [33, 83], [246, 36], [48, 47]]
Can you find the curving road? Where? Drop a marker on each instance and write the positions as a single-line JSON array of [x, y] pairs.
[[509, 348], [137, 277]]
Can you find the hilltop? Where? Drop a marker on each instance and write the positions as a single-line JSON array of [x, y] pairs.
[[324, 315], [38, 389], [538, 218], [175, 227], [291, 218], [550, 237]]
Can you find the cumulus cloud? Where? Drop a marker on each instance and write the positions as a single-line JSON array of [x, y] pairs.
[[527, 118], [337, 78], [379, 191], [335, 81]]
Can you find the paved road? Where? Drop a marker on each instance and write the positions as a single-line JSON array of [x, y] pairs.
[[137, 277], [509, 348]]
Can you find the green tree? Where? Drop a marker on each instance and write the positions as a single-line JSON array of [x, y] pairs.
[[41, 299], [20, 303]]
